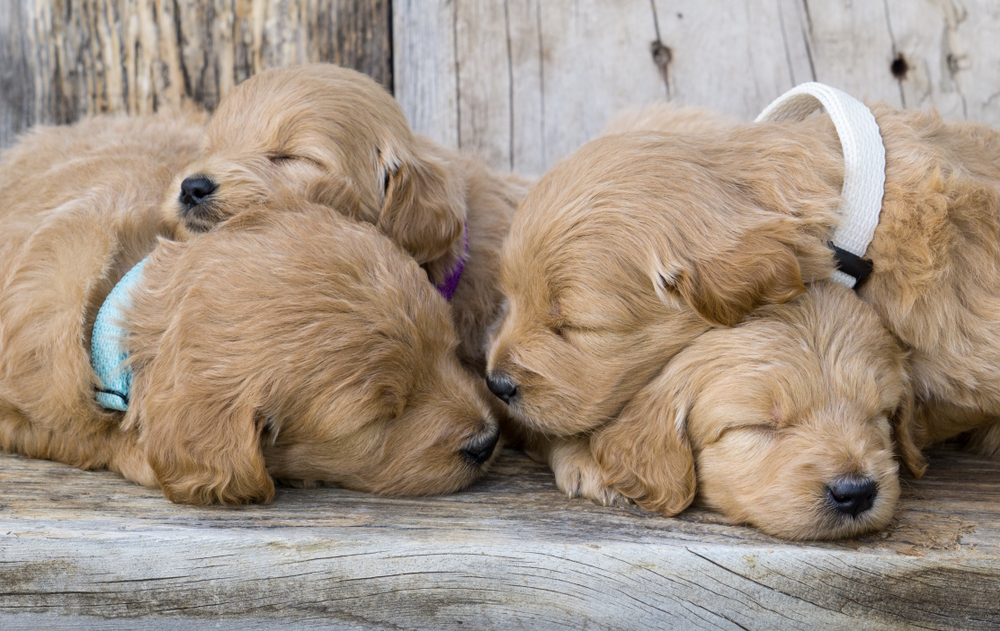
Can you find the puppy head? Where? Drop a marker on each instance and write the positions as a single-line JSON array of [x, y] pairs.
[[305, 126], [296, 345], [786, 419], [627, 251]]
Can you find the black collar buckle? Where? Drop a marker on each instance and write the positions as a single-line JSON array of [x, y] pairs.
[[852, 265]]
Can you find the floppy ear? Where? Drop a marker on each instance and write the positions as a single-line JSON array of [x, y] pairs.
[[727, 288], [905, 430], [203, 453], [424, 205], [645, 455], [338, 193]]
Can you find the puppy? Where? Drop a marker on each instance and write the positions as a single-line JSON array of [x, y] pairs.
[[289, 344], [786, 418], [313, 127], [641, 241]]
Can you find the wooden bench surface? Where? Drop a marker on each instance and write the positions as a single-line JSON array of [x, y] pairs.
[[89, 549]]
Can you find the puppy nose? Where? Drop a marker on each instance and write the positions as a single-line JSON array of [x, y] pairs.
[[195, 189], [852, 495], [480, 449], [502, 386]]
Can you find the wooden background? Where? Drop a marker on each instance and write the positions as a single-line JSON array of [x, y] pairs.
[[522, 82]]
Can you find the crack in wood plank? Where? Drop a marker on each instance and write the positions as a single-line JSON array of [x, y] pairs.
[[895, 51], [807, 39], [510, 83], [541, 78], [458, 76], [662, 54]]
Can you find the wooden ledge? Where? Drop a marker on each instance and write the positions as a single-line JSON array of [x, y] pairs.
[[86, 549]]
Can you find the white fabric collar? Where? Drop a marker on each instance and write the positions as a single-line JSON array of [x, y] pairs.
[[864, 159]]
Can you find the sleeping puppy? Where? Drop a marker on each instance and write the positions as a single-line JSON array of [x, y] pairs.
[[289, 344], [786, 419], [641, 241], [312, 128]]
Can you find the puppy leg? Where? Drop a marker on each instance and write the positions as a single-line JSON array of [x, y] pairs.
[[577, 472]]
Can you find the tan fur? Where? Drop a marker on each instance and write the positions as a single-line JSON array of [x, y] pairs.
[[768, 413], [311, 125], [637, 243], [80, 207], [289, 343]]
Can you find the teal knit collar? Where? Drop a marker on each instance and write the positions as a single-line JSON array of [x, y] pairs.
[[107, 347]]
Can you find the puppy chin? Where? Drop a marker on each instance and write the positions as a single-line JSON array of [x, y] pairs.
[[786, 487], [198, 219], [820, 519], [832, 524], [551, 415]]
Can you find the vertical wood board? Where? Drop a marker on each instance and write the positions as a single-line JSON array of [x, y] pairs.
[[63, 59]]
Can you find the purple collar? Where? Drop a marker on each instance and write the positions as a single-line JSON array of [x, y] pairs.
[[447, 288]]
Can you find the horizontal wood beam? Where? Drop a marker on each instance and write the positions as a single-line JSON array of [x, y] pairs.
[[89, 549]]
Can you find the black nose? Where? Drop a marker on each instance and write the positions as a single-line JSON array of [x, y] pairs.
[[852, 495], [480, 449], [502, 386], [195, 189]]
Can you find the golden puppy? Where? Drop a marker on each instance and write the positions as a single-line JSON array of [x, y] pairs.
[[785, 418], [313, 127], [289, 344], [641, 241]]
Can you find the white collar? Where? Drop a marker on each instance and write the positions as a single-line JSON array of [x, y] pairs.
[[864, 160]]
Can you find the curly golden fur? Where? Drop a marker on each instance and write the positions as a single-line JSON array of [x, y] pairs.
[[771, 414], [288, 343], [644, 240], [313, 127]]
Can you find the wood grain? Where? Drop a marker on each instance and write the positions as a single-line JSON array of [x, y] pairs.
[[524, 82], [63, 59], [89, 549]]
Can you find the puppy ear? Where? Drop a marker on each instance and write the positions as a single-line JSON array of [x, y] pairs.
[[336, 192], [424, 205], [202, 454], [727, 288], [907, 429], [645, 455]]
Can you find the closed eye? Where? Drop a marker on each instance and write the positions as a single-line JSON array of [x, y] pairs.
[[766, 429], [567, 331], [280, 159]]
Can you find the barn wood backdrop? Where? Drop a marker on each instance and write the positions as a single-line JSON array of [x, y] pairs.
[[521, 82]]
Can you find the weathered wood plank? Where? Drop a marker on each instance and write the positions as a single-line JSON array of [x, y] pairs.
[[16, 80], [734, 57], [90, 549], [63, 59], [524, 82], [425, 77]]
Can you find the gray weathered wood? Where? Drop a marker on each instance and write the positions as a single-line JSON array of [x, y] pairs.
[[525, 82], [89, 549], [63, 59]]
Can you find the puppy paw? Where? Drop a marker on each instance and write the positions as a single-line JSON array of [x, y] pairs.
[[578, 474]]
